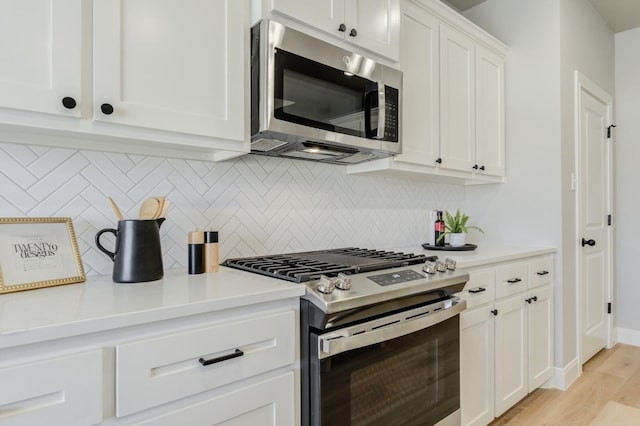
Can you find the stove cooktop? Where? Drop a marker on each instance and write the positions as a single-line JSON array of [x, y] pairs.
[[309, 266]]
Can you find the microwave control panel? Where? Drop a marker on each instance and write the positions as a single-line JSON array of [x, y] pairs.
[[391, 114]]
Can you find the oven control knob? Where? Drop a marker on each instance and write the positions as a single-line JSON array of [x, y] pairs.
[[440, 266], [343, 282], [326, 285], [429, 267], [451, 264]]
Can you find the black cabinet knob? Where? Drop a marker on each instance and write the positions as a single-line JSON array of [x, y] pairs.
[[528, 300], [495, 312], [475, 167], [69, 103], [439, 161], [353, 32], [342, 28], [534, 298], [107, 109], [481, 167]]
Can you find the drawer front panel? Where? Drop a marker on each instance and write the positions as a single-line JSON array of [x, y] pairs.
[[158, 370], [60, 391], [480, 288], [540, 272], [270, 402], [511, 279]]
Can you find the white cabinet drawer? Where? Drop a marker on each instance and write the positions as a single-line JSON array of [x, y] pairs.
[[511, 278], [540, 272], [60, 391], [158, 370], [481, 288], [270, 402]]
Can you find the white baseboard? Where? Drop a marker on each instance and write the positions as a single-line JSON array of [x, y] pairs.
[[627, 336], [564, 377]]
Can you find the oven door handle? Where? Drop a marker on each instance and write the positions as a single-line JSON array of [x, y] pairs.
[[331, 344]]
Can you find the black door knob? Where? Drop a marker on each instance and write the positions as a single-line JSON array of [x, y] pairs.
[[588, 242], [353, 32], [68, 102], [342, 28], [107, 109]]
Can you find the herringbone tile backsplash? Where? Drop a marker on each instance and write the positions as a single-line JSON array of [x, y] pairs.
[[259, 205]]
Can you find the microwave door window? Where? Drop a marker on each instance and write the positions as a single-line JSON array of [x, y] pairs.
[[312, 94]]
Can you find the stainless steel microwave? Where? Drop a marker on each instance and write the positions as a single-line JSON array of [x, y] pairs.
[[312, 100]]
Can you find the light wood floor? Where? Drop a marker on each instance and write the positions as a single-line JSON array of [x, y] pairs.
[[607, 393]]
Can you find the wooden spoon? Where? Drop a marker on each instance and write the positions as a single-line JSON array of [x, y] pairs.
[[115, 208], [161, 201], [149, 208], [165, 207]]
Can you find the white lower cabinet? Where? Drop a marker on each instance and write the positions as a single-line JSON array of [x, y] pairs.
[[506, 336], [234, 367]]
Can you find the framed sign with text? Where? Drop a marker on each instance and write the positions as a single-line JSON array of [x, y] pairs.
[[38, 252]]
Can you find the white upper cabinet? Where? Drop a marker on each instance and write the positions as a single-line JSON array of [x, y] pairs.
[[162, 77], [489, 113], [170, 65], [40, 55], [457, 100], [420, 97], [371, 24], [452, 99]]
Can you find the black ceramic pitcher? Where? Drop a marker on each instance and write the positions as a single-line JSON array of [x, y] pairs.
[[138, 255]]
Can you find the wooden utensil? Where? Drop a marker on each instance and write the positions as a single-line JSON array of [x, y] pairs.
[[115, 208], [149, 208], [161, 201]]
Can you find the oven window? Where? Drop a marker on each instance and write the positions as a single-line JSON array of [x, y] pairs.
[[312, 94], [411, 380]]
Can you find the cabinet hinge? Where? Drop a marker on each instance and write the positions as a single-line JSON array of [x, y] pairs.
[[609, 131], [609, 220], [609, 307]]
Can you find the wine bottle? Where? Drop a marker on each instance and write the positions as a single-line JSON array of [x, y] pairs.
[[439, 228]]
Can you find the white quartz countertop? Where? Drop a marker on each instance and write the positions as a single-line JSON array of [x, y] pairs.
[[484, 254], [100, 304]]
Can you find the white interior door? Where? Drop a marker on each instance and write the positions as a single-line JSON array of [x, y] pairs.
[[594, 245]]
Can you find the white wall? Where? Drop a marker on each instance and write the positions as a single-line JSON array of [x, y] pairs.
[[260, 205], [627, 203], [549, 39]]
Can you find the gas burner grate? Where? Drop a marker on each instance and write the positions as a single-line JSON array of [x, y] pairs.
[[307, 266]]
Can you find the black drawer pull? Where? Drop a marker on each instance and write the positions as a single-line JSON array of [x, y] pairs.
[[541, 273], [514, 280], [236, 354], [477, 290]]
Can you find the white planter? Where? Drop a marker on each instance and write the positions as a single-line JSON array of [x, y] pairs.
[[457, 240]]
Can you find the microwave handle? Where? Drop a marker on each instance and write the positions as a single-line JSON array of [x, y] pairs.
[[368, 106]]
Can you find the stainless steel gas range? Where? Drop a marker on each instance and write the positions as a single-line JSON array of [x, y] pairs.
[[379, 335]]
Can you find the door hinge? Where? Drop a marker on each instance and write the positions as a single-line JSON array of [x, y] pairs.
[[609, 131], [609, 307], [609, 220]]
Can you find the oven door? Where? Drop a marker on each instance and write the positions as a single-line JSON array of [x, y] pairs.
[[402, 369]]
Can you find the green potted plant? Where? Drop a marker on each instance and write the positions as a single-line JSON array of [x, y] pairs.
[[457, 228]]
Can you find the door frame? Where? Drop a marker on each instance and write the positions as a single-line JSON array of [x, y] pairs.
[[583, 83]]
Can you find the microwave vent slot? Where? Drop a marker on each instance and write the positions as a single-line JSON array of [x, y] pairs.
[[357, 158], [266, 145]]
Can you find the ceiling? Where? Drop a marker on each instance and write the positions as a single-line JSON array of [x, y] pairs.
[[621, 15]]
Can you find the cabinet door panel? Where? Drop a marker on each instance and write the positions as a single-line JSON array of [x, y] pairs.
[[376, 23], [540, 326], [40, 56], [270, 402], [490, 112], [323, 14], [457, 100], [511, 353], [476, 366], [419, 58], [176, 65]]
